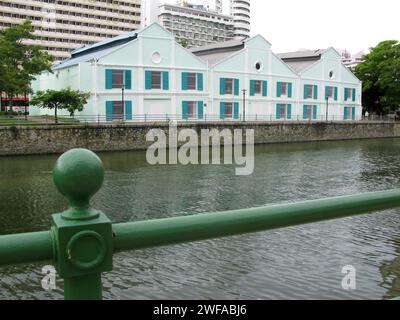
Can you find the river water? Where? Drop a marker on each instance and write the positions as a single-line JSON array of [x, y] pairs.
[[292, 263]]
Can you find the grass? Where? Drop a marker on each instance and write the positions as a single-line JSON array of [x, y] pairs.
[[35, 121]]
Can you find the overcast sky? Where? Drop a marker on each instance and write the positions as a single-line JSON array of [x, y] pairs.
[[317, 24]]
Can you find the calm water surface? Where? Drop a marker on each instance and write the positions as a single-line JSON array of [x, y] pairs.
[[299, 262]]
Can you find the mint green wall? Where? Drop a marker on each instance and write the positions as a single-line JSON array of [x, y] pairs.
[[185, 59], [278, 67], [137, 57]]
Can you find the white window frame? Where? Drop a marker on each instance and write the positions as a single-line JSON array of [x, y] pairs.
[[152, 80], [284, 85], [310, 110], [194, 106], [331, 92], [193, 75], [232, 89], [260, 83], [349, 94], [117, 85], [312, 91], [232, 105], [285, 114]]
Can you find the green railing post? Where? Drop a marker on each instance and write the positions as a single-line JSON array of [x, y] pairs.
[[83, 235]]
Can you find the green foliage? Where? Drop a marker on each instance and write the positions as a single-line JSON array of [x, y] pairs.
[[66, 99], [20, 62], [380, 73], [183, 42]]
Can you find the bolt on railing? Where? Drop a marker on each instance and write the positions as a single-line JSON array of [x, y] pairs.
[[82, 240]]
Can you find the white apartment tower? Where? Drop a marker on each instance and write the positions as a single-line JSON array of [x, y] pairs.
[[194, 22], [64, 25], [240, 11], [213, 5]]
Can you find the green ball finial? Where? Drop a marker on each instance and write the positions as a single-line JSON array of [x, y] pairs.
[[78, 174]]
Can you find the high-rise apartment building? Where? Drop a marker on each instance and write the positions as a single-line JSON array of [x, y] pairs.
[[62, 26], [213, 5], [240, 11], [195, 23]]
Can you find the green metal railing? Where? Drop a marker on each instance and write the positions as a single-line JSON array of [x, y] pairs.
[[82, 240]]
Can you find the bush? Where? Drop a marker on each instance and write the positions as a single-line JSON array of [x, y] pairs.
[[10, 113]]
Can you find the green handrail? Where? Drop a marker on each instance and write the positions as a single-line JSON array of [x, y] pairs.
[[82, 240]]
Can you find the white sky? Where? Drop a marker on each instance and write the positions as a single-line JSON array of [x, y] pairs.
[[318, 24]]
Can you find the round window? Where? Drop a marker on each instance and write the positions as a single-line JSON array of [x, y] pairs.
[[331, 74], [258, 66], [156, 57]]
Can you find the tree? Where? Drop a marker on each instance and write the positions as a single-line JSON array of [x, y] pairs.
[[183, 42], [66, 99], [20, 62], [380, 73]]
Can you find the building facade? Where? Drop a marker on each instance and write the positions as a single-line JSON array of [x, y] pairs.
[[213, 5], [352, 60], [64, 25], [162, 80], [194, 22], [240, 11]]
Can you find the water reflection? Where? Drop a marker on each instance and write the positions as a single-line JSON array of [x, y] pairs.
[[299, 262]]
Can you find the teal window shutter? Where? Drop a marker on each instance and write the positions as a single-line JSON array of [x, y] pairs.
[[165, 76], [252, 88], [236, 87], [315, 92], [315, 111], [236, 110], [305, 91], [354, 95], [289, 90], [109, 111], [289, 111], [148, 80], [345, 94], [109, 79], [200, 109], [305, 112], [185, 110], [222, 110], [200, 84], [353, 113], [128, 79], [326, 91], [265, 88], [184, 81], [128, 110], [336, 93], [278, 111], [221, 86], [278, 89], [346, 113]]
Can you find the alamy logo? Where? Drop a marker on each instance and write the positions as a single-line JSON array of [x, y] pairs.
[[349, 280], [188, 153], [49, 280]]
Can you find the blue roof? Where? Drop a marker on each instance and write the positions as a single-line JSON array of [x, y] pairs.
[[126, 37], [96, 50], [83, 58]]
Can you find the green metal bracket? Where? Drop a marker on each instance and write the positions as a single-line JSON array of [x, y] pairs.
[[83, 235]]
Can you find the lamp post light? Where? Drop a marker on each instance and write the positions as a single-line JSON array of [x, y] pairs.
[[244, 104]]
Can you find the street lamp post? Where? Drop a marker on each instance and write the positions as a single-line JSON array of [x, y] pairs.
[[123, 98], [327, 102], [244, 104]]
